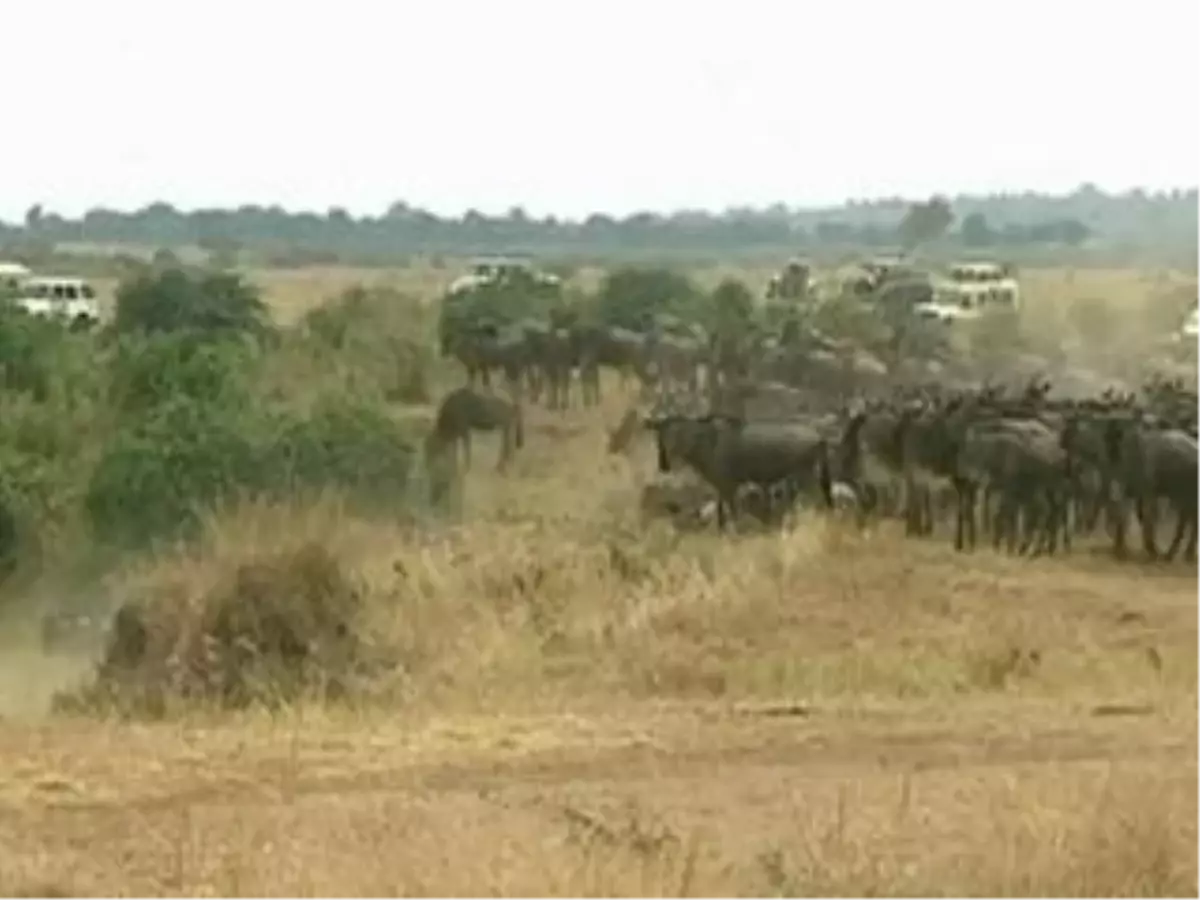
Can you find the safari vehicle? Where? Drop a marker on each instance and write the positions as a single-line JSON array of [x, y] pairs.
[[489, 271], [792, 283], [882, 267], [1190, 328], [12, 276], [983, 284], [969, 290], [70, 299]]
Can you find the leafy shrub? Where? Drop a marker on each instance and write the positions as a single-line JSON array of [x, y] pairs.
[[355, 448], [162, 471], [732, 307], [377, 335], [42, 469], [150, 370], [28, 346], [157, 474], [176, 299]]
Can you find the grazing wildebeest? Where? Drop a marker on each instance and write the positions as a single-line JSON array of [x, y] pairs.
[[466, 409], [729, 452]]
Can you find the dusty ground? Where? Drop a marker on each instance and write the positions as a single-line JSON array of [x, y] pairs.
[[597, 706], [690, 799]]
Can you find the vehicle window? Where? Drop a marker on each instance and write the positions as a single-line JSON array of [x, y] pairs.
[[58, 292], [87, 292], [70, 291]]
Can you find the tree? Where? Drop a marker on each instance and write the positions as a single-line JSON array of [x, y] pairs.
[[976, 232], [733, 307], [925, 222], [174, 299], [1074, 232], [33, 217], [633, 297]]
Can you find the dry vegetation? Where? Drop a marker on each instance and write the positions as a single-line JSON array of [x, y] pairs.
[[578, 702]]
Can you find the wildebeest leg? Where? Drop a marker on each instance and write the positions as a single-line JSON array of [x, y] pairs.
[[1117, 516], [998, 522], [1062, 520], [964, 520], [726, 507], [910, 505], [1090, 504], [466, 448], [589, 385], [1181, 525], [505, 449], [1148, 513], [1008, 523], [1035, 523]]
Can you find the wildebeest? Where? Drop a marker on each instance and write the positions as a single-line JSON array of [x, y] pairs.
[[729, 452], [1150, 463], [466, 409]]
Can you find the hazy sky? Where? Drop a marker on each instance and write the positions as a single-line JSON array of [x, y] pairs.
[[574, 106]]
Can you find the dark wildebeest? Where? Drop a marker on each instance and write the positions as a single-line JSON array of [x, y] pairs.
[[466, 409], [1150, 463], [484, 347], [730, 452], [618, 348]]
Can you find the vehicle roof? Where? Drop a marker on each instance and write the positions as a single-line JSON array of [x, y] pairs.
[[14, 268], [501, 258], [56, 279]]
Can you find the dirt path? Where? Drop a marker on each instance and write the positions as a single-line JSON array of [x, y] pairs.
[[177, 810]]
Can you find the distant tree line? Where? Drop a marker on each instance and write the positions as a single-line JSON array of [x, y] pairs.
[[1085, 217]]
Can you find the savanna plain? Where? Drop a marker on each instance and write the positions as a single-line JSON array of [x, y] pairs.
[[576, 701]]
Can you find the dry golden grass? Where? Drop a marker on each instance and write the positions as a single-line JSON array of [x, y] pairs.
[[590, 704]]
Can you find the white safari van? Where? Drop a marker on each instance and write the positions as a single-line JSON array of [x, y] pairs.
[[71, 299], [12, 276]]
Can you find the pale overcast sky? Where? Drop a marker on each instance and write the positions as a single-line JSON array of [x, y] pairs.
[[569, 107]]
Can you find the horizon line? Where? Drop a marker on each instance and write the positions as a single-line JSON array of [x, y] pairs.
[[562, 218]]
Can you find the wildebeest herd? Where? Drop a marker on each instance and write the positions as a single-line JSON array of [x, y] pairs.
[[767, 420]]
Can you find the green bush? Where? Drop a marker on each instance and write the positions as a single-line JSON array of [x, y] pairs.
[[174, 299], [149, 370], [355, 448], [160, 473], [29, 346], [732, 308], [28, 489], [633, 297], [377, 336]]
